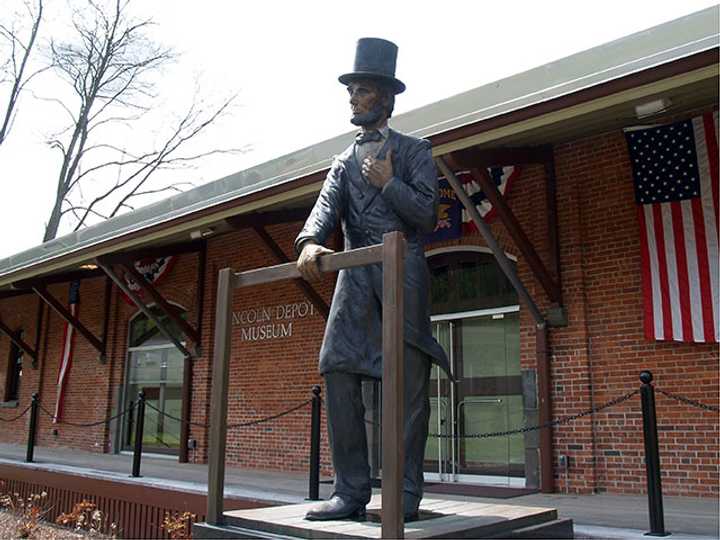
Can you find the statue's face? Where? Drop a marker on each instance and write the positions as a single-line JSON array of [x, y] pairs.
[[366, 103]]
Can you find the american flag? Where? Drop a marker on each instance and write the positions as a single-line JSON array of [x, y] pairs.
[[67, 352], [675, 171]]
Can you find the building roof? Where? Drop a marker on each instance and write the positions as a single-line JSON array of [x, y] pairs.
[[639, 52]]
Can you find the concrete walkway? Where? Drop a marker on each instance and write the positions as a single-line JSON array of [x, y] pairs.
[[595, 516]]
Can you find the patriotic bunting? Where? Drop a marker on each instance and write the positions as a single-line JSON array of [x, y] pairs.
[[152, 269], [453, 219]]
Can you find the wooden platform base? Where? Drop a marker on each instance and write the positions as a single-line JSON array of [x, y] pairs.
[[439, 518]]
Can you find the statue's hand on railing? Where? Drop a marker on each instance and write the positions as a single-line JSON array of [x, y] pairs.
[[307, 263]]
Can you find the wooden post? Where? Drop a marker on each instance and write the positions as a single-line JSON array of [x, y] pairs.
[[218, 395], [314, 470], [392, 387], [547, 483], [552, 221]]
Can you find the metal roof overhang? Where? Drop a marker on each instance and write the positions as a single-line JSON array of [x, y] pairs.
[[677, 60]]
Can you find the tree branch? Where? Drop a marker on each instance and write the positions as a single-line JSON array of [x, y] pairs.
[[110, 64], [18, 70]]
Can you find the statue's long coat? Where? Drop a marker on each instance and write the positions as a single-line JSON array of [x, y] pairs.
[[407, 203]]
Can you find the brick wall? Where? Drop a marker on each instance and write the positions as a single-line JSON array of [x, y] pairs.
[[80, 405], [268, 376], [596, 357], [604, 347], [18, 313]]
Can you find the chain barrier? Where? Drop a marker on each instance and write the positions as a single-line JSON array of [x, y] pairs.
[[16, 417], [188, 422], [89, 424], [688, 401], [551, 423], [268, 418], [149, 405], [232, 426]]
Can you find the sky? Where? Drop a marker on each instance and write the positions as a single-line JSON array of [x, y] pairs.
[[282, 59]]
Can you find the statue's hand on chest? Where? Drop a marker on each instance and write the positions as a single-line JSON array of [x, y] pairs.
[[378, 171]]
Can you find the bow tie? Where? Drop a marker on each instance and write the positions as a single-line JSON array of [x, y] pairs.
[[368, 136]]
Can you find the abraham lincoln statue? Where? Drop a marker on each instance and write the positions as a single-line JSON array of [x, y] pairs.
[[384, 181]]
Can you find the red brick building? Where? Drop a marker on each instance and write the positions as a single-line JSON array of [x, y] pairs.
[[571, 229]]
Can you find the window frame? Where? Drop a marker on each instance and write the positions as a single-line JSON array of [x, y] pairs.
[[453, 259]]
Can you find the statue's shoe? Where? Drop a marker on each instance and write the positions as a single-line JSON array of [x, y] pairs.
[[411, 516], [411, 506], [337, 507]]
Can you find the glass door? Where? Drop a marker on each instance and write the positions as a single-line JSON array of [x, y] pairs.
[[158, 372], [489, 396], [484, 351]]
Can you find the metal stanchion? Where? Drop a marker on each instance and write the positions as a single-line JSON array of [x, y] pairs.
[[34, 405], [652, 456], [314, 482], [139, 426], [127, 434]]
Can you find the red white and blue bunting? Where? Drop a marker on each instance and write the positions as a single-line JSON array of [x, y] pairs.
[[153, 269], [453, 220]]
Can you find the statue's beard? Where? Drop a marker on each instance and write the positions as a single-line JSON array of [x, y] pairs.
[[369, 118]]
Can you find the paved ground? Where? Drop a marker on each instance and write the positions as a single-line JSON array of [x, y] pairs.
[[595, 516]]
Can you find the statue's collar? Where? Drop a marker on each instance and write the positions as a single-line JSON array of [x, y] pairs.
[[384, 131]]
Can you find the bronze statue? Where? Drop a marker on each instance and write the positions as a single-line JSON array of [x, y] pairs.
[[385, 181]]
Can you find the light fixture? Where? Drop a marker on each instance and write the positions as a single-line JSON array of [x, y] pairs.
[[651, 108], [202, 233], [88, 266]]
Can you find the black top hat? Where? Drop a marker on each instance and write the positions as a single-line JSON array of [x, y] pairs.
[[375, 58]]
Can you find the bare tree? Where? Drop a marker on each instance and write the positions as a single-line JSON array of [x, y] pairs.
[[14, 65], [111, 67]]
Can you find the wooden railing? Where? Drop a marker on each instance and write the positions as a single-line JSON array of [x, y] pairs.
[[391, 253]]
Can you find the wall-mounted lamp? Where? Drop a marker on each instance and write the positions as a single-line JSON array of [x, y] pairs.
[[202, 233], [653, 107]]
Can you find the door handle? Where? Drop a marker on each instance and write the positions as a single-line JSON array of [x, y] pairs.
[[480, 401]]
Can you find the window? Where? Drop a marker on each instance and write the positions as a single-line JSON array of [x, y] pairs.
[[466, 281], [14, 371]]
